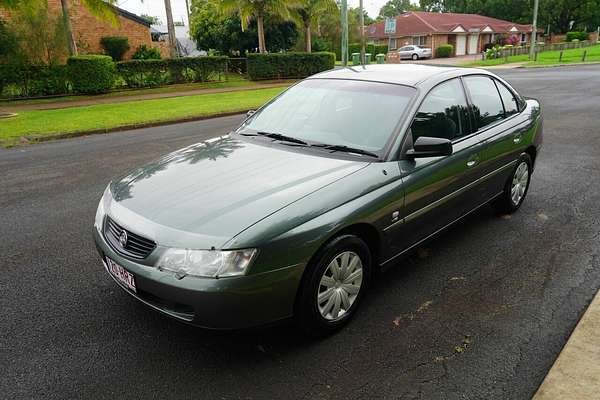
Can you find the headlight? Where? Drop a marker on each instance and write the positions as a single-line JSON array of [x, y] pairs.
[[206, 263], [101, 211]]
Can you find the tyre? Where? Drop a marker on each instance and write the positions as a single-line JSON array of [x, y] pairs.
[[415, 57], [333, 285], [516, 187]]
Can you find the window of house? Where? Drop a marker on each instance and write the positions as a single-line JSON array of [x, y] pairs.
[[523, 38], [487, 106], [443, 113], [511, 105], [419, 40], [393, 44]]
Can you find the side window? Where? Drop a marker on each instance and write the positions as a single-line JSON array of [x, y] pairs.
[[487, 106], [443, 113], [511, 106]]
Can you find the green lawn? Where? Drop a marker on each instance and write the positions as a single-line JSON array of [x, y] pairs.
[[233, 81], [546, 58], [48, 123]]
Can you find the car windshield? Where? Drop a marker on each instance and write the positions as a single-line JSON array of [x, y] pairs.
[[355, 114]]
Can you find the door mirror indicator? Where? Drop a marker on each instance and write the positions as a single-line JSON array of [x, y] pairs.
[[430, 147]]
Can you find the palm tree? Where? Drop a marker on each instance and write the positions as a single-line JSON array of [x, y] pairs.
[[308, 16], [258, 9]]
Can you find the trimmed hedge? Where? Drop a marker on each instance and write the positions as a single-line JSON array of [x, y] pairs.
[[288, 65], [34, 81], [444, 51], [146, 73], [115, 46], [91, 74], [581, 36]]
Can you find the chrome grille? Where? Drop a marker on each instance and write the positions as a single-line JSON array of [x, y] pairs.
[[136, 246]]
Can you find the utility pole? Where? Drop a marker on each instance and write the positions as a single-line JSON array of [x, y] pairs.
[[171, 28], [344, 17], [534, 30], [187, 8], [363, 60]]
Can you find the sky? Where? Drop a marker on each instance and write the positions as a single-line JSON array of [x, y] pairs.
[[157, 8]]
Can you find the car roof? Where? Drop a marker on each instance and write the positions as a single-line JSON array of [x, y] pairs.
[[401, 74]]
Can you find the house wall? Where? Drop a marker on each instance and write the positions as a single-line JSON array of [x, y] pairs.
[[437, 41], [89, 30]]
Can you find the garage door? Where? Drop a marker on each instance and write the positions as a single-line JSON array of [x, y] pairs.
[[461, 45], [473, 41]]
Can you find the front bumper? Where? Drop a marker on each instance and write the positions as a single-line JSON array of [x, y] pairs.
[[226, 303]]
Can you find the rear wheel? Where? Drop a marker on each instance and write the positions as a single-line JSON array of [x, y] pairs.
[[415, 57], [516, 187], [333, 285]]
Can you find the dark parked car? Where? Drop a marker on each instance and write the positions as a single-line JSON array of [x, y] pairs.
[[290, 215]]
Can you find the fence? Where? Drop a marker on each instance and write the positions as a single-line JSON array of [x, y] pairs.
[[521, 50]]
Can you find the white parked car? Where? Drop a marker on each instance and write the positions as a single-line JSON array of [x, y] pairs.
[[414, 52]]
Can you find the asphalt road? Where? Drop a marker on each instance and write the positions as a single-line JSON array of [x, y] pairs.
[[481, 312]]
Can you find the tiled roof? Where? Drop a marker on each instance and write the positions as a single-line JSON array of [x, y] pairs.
[[416, 23]]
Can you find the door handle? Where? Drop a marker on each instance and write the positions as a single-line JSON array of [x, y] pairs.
[[473, 161], [517, 139]]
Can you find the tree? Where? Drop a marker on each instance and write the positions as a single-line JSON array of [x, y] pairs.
[[214, 31], [308, 16], [40, 35], [258, 9], [171, 29], [396, 7], [153, 20]]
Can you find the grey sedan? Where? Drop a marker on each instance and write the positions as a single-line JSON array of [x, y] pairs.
[[414, 52]]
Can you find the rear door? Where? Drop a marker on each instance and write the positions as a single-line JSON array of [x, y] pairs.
[[495, 112], [438, 190]]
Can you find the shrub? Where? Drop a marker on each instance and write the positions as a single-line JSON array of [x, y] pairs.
[[146, 53], [91, 74], [579, 36], [488, 46], [34, 81], [288, 65], [237, 66], [115, 46], [145, 73], [444, 51]]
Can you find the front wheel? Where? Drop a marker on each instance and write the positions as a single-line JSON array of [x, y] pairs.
[[415, 57], [516, 187], [333, 285]]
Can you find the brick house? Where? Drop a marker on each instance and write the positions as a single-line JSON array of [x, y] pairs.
[[89, 30], [467, 33]]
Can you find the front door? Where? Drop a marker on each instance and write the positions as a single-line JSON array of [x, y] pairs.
[[438, 189], [461, 45], [473, 43]]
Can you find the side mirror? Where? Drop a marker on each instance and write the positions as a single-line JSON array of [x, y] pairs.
[[250, 113], [430, 147]]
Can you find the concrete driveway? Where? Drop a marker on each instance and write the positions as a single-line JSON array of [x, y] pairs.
[[481, 312], [453, 61]]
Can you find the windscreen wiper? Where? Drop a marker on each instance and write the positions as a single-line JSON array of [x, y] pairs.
[[346, 149], [277, 136]]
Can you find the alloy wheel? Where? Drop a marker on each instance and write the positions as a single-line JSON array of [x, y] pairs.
[[519, 183], [340, 285]]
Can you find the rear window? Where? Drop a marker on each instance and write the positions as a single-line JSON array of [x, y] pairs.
[[486, 103], [511, 104]]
